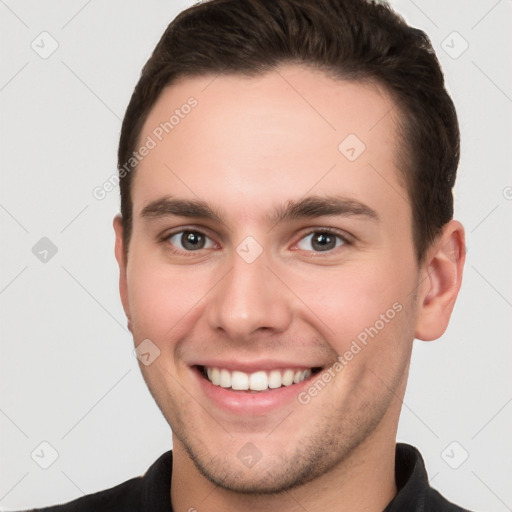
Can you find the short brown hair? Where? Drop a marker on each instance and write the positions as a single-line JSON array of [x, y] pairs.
[[356, 40]]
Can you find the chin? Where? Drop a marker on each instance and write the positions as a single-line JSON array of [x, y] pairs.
[[271, 479], [272, 474]]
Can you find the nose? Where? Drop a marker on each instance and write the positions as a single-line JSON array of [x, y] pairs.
[[248, 299]]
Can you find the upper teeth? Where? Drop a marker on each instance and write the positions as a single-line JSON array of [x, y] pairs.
[[258, 381]]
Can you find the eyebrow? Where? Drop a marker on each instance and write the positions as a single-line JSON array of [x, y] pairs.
[[308, 207]]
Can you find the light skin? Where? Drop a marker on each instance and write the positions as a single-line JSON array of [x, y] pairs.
[[250, 147]]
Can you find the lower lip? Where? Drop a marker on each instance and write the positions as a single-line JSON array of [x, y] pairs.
[[251, 403]]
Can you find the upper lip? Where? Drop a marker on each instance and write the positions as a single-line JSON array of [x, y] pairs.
[[254, 366]]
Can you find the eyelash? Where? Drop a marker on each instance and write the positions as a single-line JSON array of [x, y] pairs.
[[330, 231]]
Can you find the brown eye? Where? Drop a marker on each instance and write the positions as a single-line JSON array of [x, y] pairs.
[[190, 240], [321, 241]]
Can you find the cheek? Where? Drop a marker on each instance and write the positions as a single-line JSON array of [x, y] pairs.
[[365, 317], [162, 298], [353, 302]]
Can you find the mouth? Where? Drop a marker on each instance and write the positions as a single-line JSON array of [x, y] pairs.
[[258, 381]]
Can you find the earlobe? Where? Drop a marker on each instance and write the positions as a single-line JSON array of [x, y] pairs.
[[441, 282], [121, 261]]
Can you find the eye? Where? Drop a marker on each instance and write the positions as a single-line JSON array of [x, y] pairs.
[[189, 240], [321, 241]]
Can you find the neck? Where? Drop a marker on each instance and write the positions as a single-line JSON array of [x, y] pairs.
[[364, 481]]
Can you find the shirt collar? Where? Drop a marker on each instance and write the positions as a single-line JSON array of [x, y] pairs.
[[411, 480]]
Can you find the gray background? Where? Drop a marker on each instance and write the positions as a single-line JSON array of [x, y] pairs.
[[68, 375]]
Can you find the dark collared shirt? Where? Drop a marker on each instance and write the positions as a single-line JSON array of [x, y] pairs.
[[414, 491], [151, 492]]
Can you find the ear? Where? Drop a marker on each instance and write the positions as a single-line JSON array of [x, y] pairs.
[[121, 261], [441, 278]]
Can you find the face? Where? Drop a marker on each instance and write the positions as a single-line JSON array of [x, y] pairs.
[[272, 246]]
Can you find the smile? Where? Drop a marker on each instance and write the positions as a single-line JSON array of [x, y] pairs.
[[257, 381]]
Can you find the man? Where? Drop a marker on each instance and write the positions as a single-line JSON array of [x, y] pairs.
[[286, 171]]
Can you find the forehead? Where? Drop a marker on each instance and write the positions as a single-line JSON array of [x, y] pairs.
[[269, 138]]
